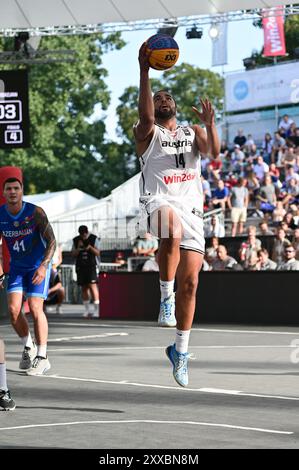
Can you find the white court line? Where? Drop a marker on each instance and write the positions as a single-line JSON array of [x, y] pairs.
[[117, 348], [103, 335], [182, 389], [149, 421]]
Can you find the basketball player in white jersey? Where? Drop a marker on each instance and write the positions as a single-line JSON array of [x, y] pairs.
[[172, 203]]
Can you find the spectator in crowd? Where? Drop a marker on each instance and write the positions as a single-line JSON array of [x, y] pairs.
[[240, 139], [274, 172], [292, 193], [146, 246], [290, 174], [205, 162], [264, 228], [223, 146], [260, 168], [238, 202], [252, 244], [56, 292], [267, 196], [206, 188], [227, 163], [278, 144], [223, 262], [238, 158], [211, 252], [288, 157], [250, 146], [220, 196], [294, 138], [278, 213], [214, 228], [253, 186], [86, 250], [252, 264], [120, 259], [284, 124], [295, 242], [290, 263], [152, 264], [214, 169], [267, 147], [289, 219], [279, 246], [264, 262]]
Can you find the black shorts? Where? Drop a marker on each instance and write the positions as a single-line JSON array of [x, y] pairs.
[[86, 276]]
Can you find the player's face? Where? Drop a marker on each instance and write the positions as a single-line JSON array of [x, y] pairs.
[[13, 192], [164, 104]]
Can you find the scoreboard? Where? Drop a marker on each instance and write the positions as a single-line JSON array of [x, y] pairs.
[[14, 112]]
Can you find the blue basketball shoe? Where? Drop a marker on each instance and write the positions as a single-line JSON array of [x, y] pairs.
[[180, 365]]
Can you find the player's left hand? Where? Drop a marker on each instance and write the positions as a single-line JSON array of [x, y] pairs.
[[39, 275], [207, 115]]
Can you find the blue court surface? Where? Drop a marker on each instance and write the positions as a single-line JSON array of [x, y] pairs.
[[111, 387]]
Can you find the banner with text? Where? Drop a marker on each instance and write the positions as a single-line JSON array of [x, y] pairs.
[[273, 26]]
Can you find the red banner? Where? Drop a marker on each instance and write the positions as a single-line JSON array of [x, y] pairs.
[[273, 26]]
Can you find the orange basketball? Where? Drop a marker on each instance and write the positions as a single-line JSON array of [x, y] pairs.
[[164, 51]]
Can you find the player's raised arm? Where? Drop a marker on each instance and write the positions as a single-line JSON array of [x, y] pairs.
[[207, 142], [47, 233], [144, 128]]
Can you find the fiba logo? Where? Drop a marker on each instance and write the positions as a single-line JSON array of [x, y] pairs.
[[241, 90]]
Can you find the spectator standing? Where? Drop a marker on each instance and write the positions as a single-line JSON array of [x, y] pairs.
[[86, 250], [240, 139], [238, 203]]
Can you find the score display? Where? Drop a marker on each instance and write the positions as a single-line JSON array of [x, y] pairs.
[[14, 113]]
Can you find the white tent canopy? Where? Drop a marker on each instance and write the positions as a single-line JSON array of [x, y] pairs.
[[45, 13]]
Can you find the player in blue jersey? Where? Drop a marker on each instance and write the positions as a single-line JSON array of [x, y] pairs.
[[31, 244]]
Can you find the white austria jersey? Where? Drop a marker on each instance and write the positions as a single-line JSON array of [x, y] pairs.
[[170, 167]]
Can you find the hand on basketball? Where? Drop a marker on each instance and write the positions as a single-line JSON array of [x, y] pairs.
[[143, 57], [39, 275], [207, 115]]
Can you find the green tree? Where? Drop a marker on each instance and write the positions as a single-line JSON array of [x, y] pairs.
[[187, 84], [66, 145]]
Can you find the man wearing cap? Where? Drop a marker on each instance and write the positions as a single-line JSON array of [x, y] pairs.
[[86, 249]]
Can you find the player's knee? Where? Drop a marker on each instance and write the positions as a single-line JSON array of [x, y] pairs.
[[189, 285], [14, 311]]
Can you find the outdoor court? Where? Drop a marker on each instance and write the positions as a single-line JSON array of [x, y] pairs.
[[111, 387]]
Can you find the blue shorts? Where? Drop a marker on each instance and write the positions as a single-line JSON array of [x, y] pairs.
[[20, 280]]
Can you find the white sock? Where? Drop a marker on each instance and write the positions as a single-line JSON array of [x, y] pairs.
[[166, 288], [182, 340], [96, 306], [86, 305], [27, 341], [42, 350], [3, 383]]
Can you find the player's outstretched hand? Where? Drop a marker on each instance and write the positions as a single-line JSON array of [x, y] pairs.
[[39, 275], [207, 115]]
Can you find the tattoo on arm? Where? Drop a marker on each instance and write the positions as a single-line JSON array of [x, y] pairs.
[[47, 233]]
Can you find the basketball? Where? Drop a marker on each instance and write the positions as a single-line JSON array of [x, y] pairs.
[[164, 51]]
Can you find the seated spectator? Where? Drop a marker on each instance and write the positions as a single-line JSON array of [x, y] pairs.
[[279, 246], [264, 262], [284, 124], [146, 246], [214, 168], [120, 259], [294, 138], [252, 244], [214, 228], [55, 293], [290, 174], [152, 264], [211, 252], [238, 158], [252, 264], [291, 196], [289, 219], [240, 139], [267, 196], [267, 147], [253, 186], [227, 163], [260, 168], [295, 242], [288, 157], [290, 263], [250, 144], [223, 262], [278, 144], [278, 213], [219, 196], [264, 228], [238, 203]]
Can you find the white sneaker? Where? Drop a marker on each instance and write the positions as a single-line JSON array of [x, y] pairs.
[[28, 355], [40, 365], [86, 315], [167, 312], [59, 310]]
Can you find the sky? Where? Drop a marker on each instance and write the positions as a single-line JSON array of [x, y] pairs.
[[123, 67]]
